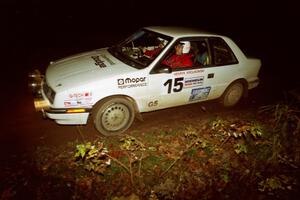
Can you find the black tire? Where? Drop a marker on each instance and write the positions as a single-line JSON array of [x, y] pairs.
[[113, 116], [233, 94]]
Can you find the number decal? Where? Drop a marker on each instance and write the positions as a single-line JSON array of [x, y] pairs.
[[169, 83], [178, 84]]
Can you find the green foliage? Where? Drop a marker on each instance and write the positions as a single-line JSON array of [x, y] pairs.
[[240, 148], [206, 146], [285, 123], [225, 177], [92, 157], [115, 169], [275, 183], [132, 196], [203, 144], [237, 129], [256, 130], [225, 172], [189, 160], [81, 150], [153, 160], [190, 131], [165, 190], [270, 184], [218, 124], [191, 152], [130, 143], [285, 117]]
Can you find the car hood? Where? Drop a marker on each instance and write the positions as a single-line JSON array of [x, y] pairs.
[[84, 68]]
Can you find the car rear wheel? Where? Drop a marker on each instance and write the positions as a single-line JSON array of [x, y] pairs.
[[233, 94], [113, 116]]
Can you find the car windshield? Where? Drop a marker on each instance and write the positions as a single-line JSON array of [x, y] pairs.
[[141, 48]]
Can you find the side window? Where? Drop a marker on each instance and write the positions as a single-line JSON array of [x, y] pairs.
[[188, 53], [221, 53], [201, 52], [180, 56]]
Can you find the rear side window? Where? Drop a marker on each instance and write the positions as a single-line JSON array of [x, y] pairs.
[[221, 52]]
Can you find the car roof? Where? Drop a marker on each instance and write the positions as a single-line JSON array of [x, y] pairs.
[[177, 32]]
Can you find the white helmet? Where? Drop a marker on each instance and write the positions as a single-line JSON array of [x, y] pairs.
[[186, 46]]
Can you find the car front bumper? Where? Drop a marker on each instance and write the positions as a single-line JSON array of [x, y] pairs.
[[67, 116], [70, 116]]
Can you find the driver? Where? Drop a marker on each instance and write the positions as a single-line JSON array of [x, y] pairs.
[[181, 58], [154, 52]]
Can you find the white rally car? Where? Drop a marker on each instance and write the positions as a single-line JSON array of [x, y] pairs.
[[115, 84]]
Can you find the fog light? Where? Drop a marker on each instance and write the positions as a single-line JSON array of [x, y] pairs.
[[76, 110], [40, 105]]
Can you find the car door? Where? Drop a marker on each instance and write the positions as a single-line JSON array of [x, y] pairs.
[[222, 67], [206, 79], [173, 89], [173, 86]]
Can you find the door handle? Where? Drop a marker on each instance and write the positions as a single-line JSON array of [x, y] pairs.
[[210, 75]]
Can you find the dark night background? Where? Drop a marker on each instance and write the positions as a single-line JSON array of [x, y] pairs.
[[37, 31]]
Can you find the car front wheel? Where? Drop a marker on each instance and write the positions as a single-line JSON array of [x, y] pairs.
[[232, 94], [113, 116]]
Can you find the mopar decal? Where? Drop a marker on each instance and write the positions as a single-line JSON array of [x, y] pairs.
[[199, 93], [98, 61], [131, 82]]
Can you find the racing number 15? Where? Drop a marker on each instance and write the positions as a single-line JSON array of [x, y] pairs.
[[178, 84]]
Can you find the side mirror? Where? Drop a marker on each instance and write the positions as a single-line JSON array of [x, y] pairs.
[[164, 69]]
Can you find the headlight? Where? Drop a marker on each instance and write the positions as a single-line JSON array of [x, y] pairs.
[[49, 92], [35, 79]]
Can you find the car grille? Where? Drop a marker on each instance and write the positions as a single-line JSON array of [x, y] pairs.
[[48, 92]]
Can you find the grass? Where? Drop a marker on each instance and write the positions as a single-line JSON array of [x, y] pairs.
[[189, 161]]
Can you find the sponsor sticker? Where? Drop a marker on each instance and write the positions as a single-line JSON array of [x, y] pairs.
[[195, 71], [79, 95], [199, 93], [193, 81], [108, 59], [153, 103], [98, 61], [188, 72], [78, 99], [70, 103], [131, 82], [179, 73]]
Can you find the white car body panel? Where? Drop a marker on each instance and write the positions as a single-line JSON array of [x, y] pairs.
[[69, 119], [82, 80]]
